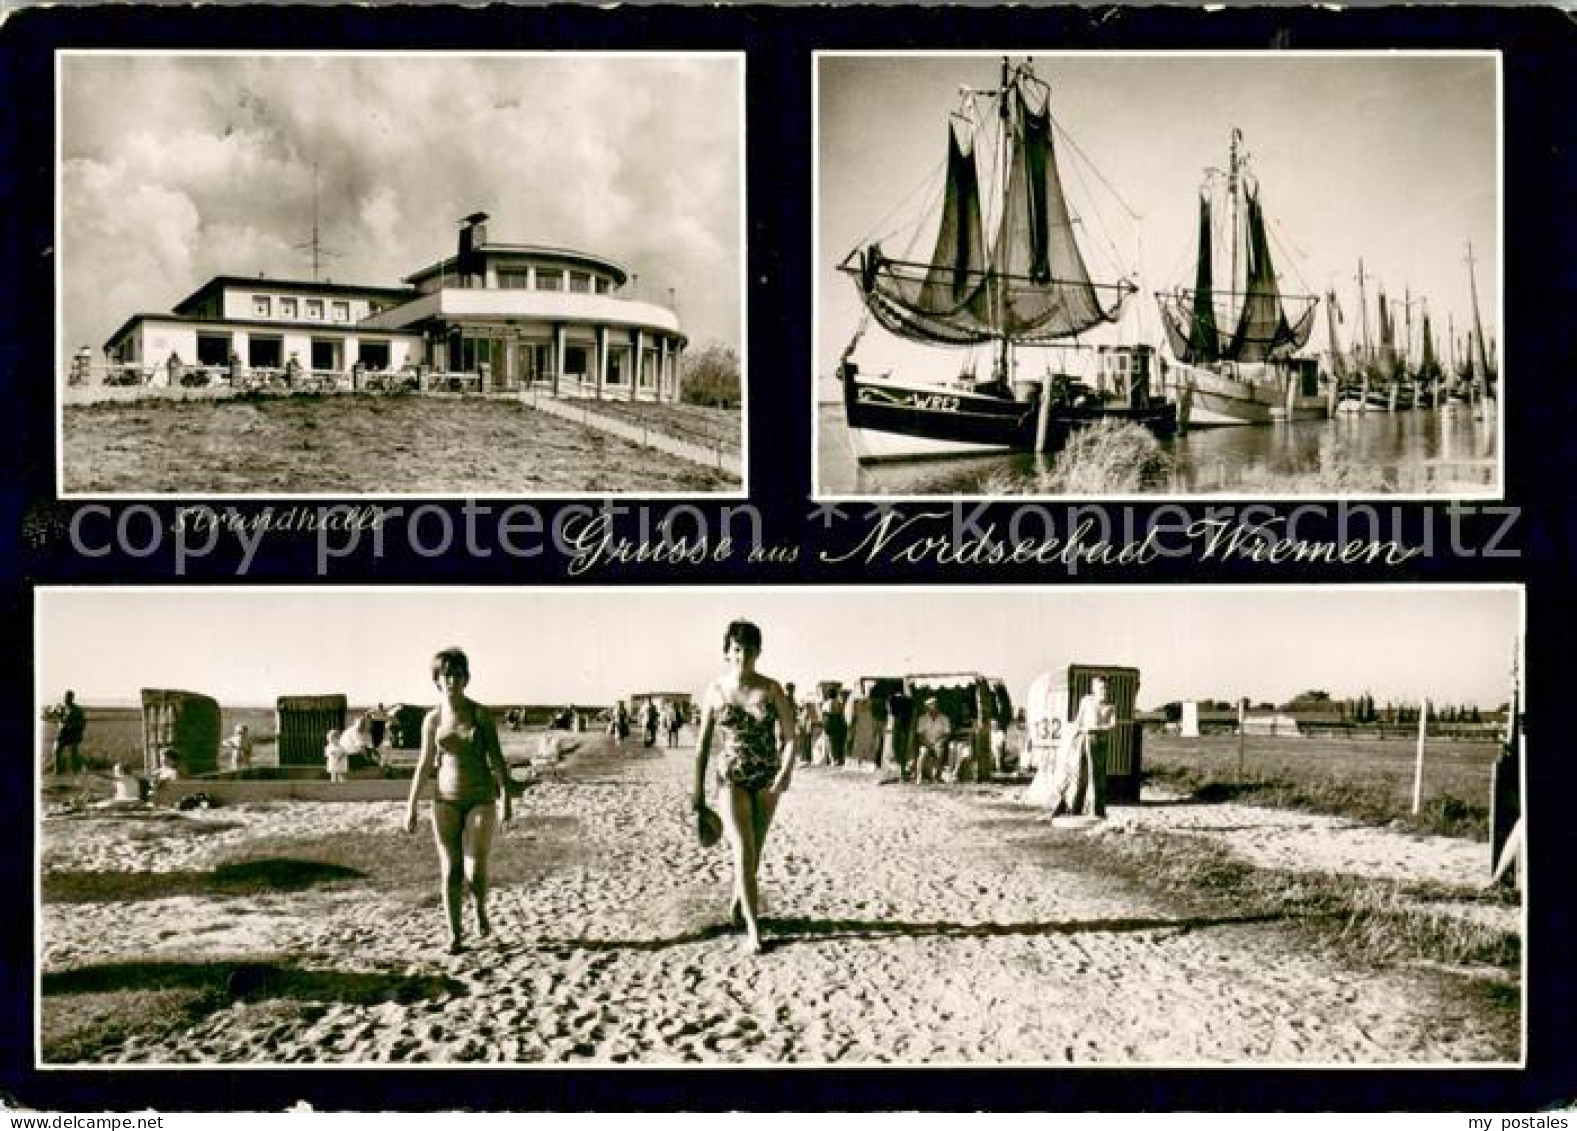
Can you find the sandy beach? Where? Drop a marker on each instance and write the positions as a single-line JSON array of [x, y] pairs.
[[908, 925]]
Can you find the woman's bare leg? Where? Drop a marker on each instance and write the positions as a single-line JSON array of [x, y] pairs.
[[479, 825], [449, 836], [739, 825]]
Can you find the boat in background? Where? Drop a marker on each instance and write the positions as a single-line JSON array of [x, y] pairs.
[[1028, 286], [1233, 348]]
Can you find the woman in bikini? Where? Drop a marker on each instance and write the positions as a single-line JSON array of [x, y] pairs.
[[473, 781], [753, 721]]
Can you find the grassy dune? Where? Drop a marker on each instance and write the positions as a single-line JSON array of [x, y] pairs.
[[354, 445]]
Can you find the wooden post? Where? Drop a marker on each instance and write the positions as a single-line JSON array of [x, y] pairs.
[[1043, 413], [1242, 737], [1418, 763]]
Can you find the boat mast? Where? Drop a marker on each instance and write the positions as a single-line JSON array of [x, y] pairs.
[[1407, 324], [1482, 360], [1234, 189], [1004, 360], [1363, 316]]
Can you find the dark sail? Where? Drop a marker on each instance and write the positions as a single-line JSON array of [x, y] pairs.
[[1191, 324], [1429, 366], [1263, 331], [1033, 286], [1333, 314]]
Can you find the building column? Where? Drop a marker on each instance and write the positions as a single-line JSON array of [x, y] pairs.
[[678, 393], [662, 372], [602, 359], [558, 355], [640, 364]]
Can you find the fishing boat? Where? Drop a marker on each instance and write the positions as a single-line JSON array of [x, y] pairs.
[[1027, 286], [1233, 348]]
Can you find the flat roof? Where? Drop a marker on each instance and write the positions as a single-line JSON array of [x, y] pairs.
[[531, 251], [305, 286], [254, 323]]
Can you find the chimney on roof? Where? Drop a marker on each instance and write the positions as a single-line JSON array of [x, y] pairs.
[[473, 234]]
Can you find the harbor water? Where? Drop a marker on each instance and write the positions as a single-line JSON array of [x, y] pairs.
[[1415, 452]]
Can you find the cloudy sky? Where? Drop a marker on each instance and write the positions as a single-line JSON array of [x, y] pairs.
[[248, 645], [178, 168], [1392, 158]]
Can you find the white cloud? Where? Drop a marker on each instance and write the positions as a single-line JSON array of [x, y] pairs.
[[633, 157]]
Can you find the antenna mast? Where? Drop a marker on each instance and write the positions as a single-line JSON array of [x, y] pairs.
[[315, 244]]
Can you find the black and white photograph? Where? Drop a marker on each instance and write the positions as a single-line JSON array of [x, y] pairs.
[[780, 826], [418, 274], [1117, 274]]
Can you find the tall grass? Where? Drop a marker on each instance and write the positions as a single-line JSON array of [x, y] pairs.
[[1109, 457]]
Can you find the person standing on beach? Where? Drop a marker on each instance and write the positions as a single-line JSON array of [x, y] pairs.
[[459, 737], [1072, 778], [71, 726], [834, 726], [753, 719], [932, 730]]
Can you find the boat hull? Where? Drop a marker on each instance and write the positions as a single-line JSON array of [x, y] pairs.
[[1254, 394], [931, 420]]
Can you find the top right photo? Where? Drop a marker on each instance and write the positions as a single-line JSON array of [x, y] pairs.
[[1123, 275]]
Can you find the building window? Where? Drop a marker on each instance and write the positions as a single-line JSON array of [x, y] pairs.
[[213, 349], [550, 280], [342, 312], [603, 286], [261, 306], [374, 355], [577, 362], [514, 280], [315, 309], [325, 354], [265, 353], [287, 308], [580, 284]]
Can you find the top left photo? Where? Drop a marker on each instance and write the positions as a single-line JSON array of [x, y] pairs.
[[420, 275]]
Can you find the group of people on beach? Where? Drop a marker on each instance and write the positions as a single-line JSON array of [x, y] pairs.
[[747, 743], [744, 714], [656, 718]]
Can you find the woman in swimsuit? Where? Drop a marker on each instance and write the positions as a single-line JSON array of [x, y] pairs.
[[459, 737], [754, 723]]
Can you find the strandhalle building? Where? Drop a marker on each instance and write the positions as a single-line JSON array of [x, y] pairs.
[[505, 317]]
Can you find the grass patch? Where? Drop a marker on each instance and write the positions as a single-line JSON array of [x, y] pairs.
[[716, 428], [355, 444], [1375, 922], [90, 1012], [1339, 479], [1365, 779], [1109, 457], [243, 878]]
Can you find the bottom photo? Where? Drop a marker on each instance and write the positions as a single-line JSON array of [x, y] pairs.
[[774, 827]]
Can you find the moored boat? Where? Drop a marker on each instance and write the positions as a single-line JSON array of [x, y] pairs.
[[1028, 286], [1234, 346]]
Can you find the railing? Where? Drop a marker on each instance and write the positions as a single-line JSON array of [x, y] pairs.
[[163, 379]]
